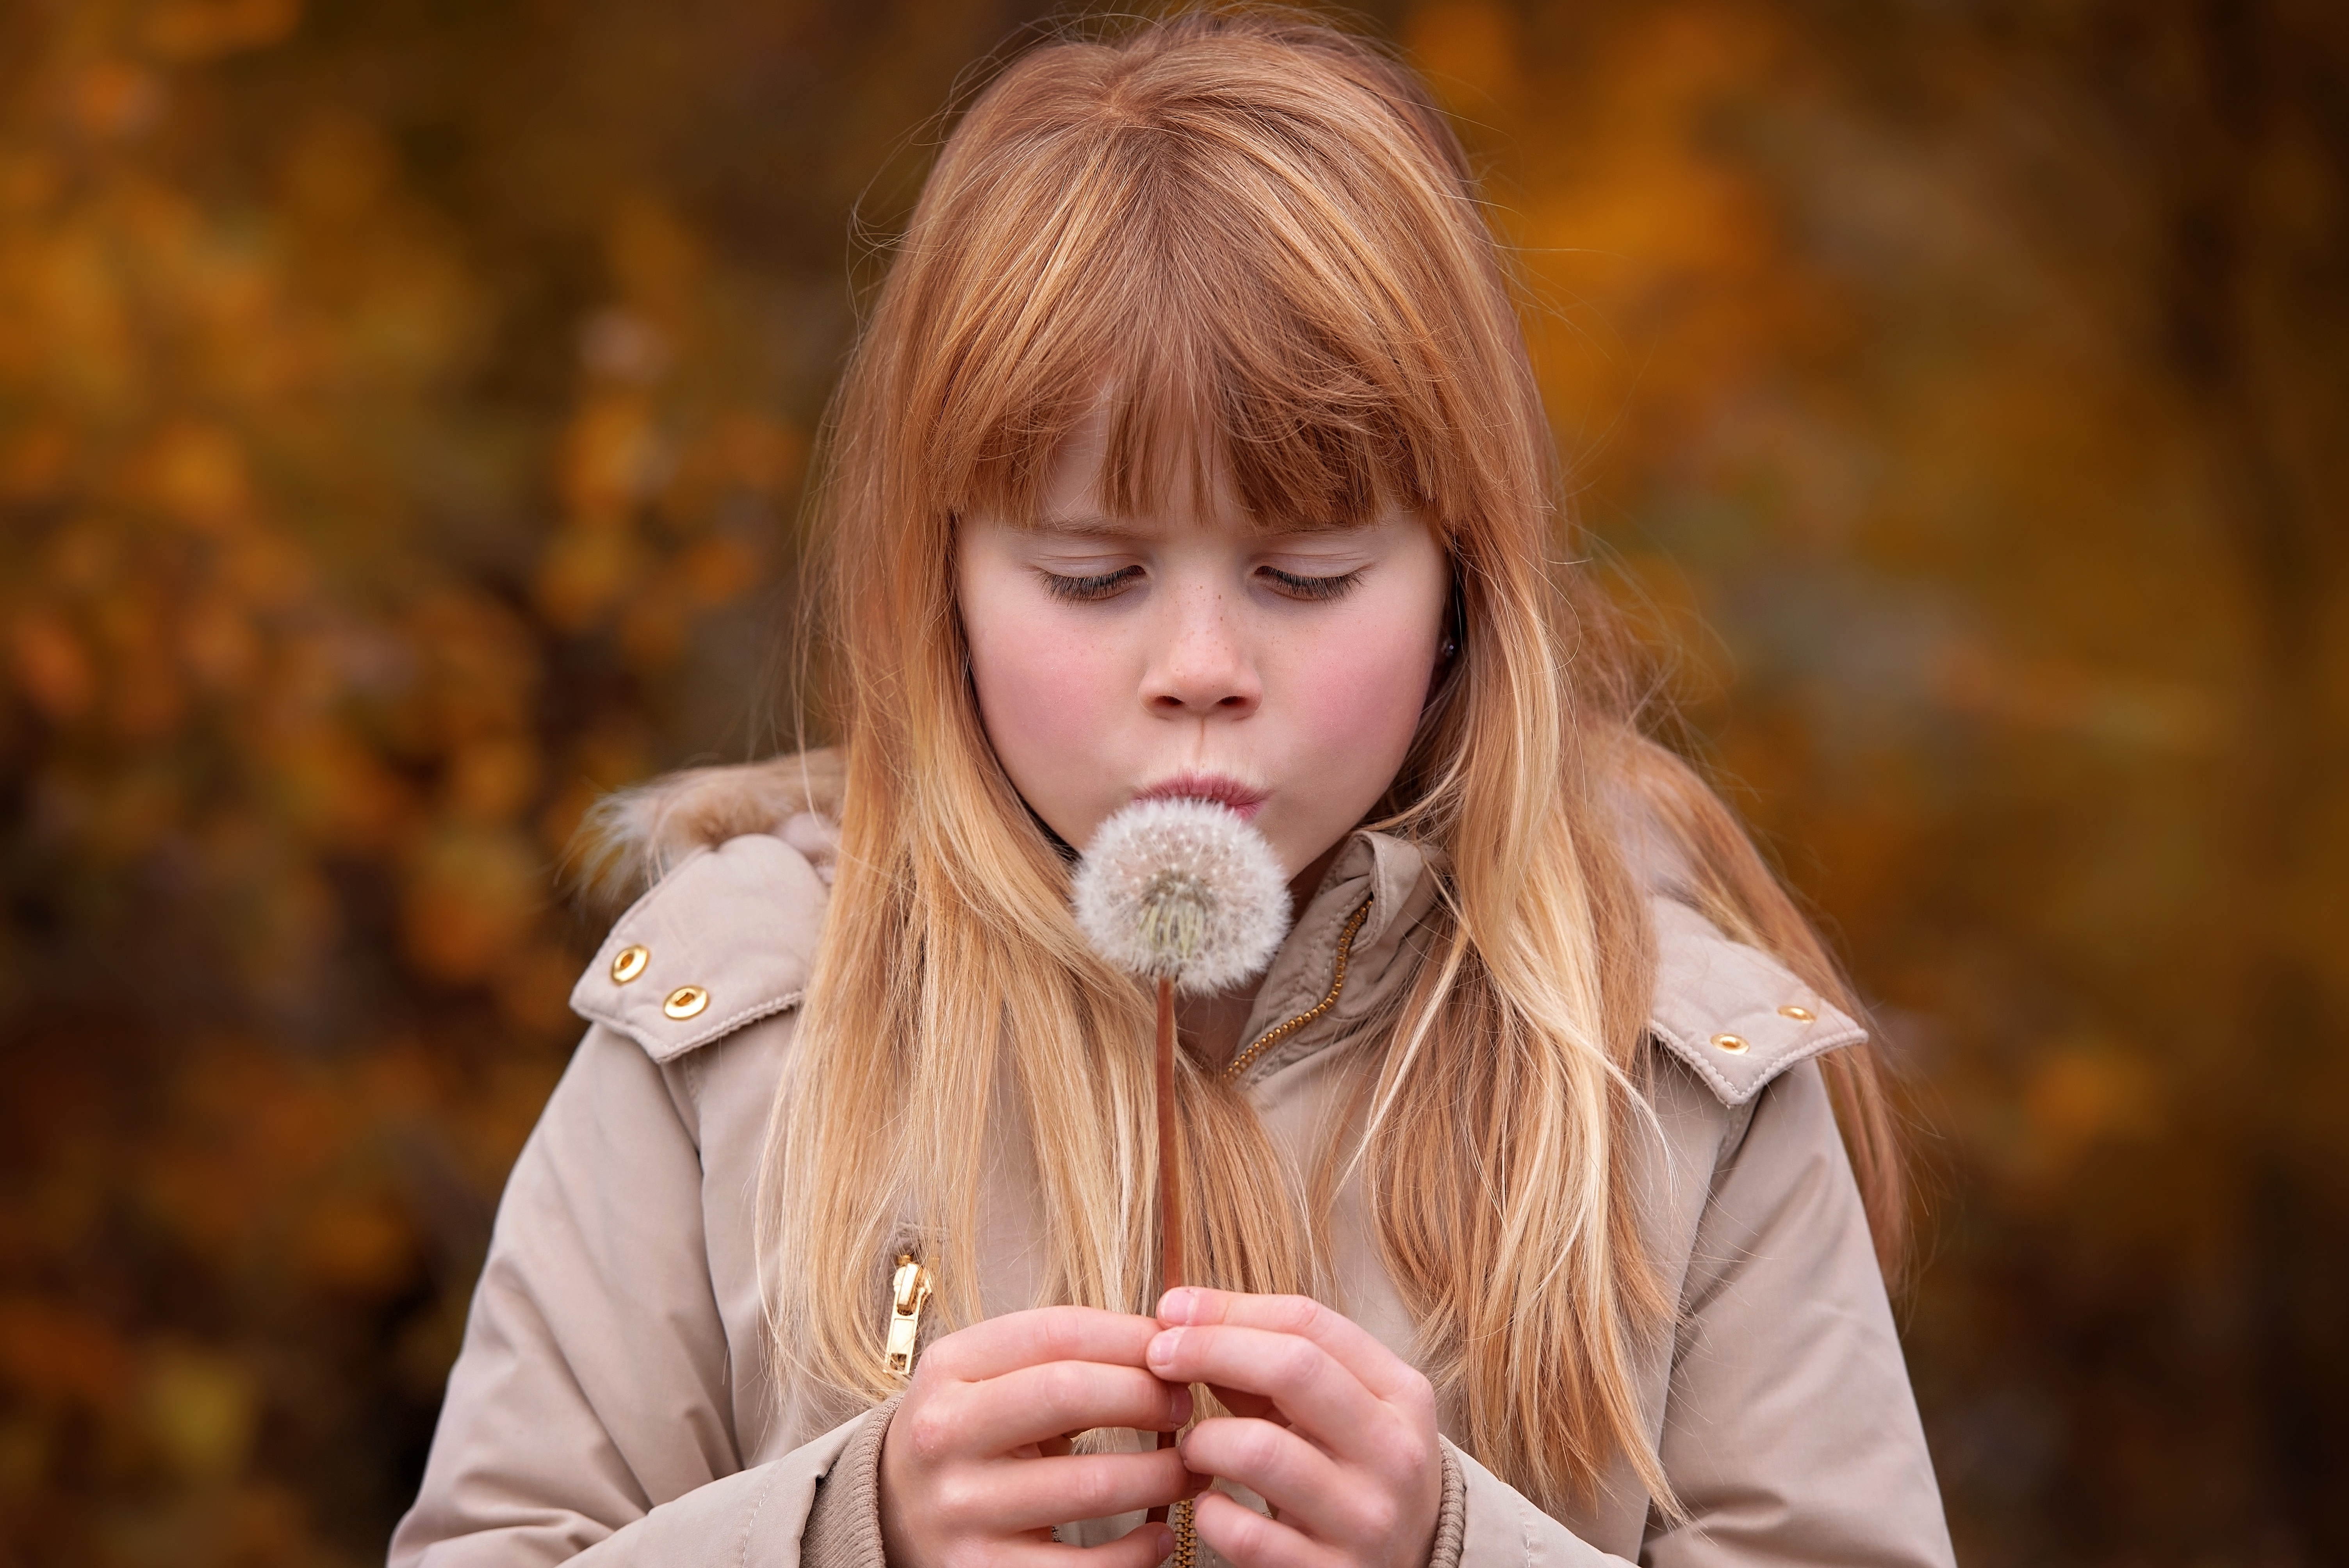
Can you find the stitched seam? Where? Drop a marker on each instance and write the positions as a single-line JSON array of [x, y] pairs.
[[663, 1051], [1733, 1136], [1695, 1059], [1728, 1089], [758, 1507], [1803, 1053], [728, 1024]]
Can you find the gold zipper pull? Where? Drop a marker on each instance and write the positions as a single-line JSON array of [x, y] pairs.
[[909, 1292]]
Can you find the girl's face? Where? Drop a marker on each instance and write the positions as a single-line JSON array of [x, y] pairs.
[[1180, 653]]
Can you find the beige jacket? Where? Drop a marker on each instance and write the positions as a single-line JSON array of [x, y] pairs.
[[614, 1404]]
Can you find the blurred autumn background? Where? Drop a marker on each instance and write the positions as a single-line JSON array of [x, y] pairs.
[[403, 407]]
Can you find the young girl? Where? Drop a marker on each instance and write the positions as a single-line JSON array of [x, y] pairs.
[[1191, 449]]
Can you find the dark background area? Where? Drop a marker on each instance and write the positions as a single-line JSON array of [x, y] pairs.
[[403, 407]]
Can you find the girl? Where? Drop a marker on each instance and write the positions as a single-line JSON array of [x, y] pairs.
[[1192, 448]]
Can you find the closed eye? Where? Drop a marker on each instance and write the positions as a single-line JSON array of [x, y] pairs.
[[1087, 590], [1297, 587]]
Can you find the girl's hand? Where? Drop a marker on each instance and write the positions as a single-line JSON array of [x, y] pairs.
[[975, 1469], [1333, 1430]]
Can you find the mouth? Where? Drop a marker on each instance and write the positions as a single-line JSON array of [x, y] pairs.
[[1230, 792]]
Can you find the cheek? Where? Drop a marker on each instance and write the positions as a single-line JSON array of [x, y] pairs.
[[1358, 703], [1042, 697], [1050, 700]]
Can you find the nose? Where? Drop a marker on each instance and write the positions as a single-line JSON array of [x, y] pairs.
[[1203, 668]]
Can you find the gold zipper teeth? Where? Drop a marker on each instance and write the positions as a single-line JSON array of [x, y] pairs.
[[1279, 1032], [1186, 1539]]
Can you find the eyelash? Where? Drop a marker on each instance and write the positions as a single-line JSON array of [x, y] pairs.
[[1316, 588], [1090, 589], [1085, 590]]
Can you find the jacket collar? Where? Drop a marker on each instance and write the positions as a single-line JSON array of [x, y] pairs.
[[1383, 880], [1735, 1015]]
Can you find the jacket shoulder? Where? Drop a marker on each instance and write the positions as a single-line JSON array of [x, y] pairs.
[[739, 862], [1737, 1017]]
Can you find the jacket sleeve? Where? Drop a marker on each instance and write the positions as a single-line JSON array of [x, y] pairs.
[[1790, 1432], [588, 1415]]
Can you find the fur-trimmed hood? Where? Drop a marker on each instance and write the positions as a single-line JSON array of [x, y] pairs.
[[633, 837]]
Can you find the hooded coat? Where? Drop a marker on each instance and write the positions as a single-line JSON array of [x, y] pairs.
[[615, 1403]]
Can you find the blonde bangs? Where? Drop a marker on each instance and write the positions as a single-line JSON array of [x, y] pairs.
[[1264, 307]]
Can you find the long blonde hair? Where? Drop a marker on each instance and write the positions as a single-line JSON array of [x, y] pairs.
[[1258, 240]]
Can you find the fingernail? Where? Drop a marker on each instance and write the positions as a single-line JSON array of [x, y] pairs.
[[1178, 1408], [1161, 1348], [1165, 1544], [1180, 1304]]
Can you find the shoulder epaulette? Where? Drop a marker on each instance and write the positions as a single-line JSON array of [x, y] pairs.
[[726, 937], [1736, 1016]]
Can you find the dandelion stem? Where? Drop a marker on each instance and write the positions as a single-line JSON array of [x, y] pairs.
[[1170, 1187]]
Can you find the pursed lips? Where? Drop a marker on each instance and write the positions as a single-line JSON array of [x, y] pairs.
[[1224, 791]]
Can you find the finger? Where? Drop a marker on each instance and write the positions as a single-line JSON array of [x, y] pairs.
[[999, 1345], [1313, 1389], [1378, 1368], [1248, 1540], [1144, 1546], [1287, 1471], [1034, 1495], [1031, 1404]]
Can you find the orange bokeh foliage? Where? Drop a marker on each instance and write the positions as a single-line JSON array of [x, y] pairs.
[[402, 412]]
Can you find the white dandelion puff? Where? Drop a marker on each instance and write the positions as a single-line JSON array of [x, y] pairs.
[[1182, 890]]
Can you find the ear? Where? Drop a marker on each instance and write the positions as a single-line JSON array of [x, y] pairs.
[[1456, 617]]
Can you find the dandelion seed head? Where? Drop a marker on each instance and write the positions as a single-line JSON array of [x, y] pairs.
[[1182, 890]]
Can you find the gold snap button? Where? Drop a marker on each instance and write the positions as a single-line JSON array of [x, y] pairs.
[[1800, 1015], [1729, 1043], [686, 1001], [628, 962]]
